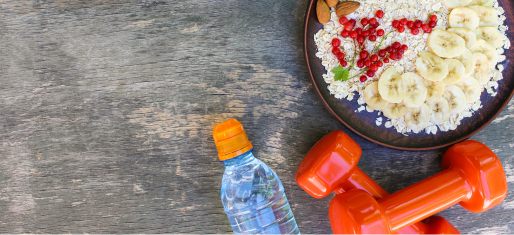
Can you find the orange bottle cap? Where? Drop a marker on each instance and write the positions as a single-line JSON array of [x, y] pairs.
[[231, 140]]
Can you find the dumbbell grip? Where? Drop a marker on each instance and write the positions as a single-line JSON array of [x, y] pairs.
[[359, 180], [424, 198]]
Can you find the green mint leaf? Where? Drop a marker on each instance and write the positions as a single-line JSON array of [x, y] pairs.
[[345, 75], [340, 73], [338, 69]]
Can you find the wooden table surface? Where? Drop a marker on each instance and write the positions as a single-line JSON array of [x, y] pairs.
[[107, 109]]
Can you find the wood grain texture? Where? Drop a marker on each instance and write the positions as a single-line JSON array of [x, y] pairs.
[[107, 109]]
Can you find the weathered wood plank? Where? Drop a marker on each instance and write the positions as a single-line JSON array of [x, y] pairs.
[[107, 109]]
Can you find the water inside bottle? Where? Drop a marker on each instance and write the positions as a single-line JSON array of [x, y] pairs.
[[254, 199]]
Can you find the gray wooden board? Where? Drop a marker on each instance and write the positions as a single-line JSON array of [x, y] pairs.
[[107, 109]]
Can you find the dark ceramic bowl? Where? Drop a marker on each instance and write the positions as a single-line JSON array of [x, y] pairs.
[[363, 123]]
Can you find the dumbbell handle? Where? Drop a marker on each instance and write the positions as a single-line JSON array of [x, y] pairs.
[[424, 198], [360, 180]]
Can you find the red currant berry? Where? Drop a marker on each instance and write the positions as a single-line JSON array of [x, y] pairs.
[[370, 73], [373, 21], [432, 24], [359, 31], [382, 53], [380, 64], [401, 29], [335, 50], [367, 63], [345, 34], [340, 56], [386, 60], [364, 54], [343, 20], [372, 31], [401, 51], [380, 32], [353, 35], [365, 33], [374, 58], [393, 56], [414, 31], [379, 14], [360, 63], [433, 18], [418, 23], [389, 49], [343, 63], [425, 27], [363, 78], [396, 45], [405, 47], [360, 39], [410, 24], [353, 22], [399, 56], [376, 25], [373, 38], [373, 67], [348, 26], [395, 24], [336, 42], [364, 21], [429, 30], [403, 21]]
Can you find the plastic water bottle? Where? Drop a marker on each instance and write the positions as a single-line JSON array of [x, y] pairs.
[[252, 195]]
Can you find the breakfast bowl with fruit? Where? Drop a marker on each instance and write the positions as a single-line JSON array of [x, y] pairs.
[[414, 74]]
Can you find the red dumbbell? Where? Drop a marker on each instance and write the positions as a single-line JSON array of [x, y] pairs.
[[472, 176], [331, 166]]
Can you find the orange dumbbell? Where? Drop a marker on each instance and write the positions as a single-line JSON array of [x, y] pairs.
[[472, 176], [331, 166]]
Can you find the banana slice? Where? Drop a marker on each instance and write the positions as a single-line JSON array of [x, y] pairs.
[[456, 72], [373, 98], [431, 67], [418, 118], [395, 110], [468, 60], [390, 86], [488, 50], [440, 110], [469, 37], [434, 89], [471, 89], [464, 17], [481, 73], [415, 90], [456, 99], [488, 3], [446, 44], [456, 3], [487, 15], [490, 34]]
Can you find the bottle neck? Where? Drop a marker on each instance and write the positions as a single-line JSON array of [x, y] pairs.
[[239, 160]]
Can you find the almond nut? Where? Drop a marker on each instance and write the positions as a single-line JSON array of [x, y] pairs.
[[346, 8], [322, 11], [332, 3]]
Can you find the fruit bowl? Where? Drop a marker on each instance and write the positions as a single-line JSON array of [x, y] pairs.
[[363, 123]]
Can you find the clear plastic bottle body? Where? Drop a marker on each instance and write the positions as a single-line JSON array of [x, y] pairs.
[[253, 198]]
